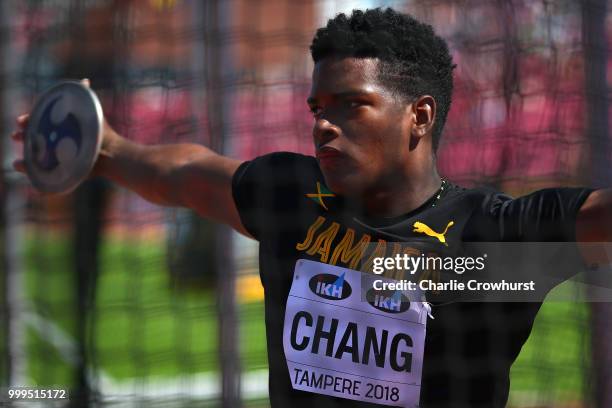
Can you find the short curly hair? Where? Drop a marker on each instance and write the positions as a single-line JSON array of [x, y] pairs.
[[414, 60]]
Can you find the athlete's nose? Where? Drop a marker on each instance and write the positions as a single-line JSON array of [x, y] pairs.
[[324, 132]]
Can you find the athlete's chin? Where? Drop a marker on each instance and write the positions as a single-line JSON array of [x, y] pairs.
[[345, 184]]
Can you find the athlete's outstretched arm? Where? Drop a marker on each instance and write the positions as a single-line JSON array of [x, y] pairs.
[[181, 175], [177, 175]]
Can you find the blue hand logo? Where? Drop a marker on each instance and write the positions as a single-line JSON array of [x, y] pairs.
[[53, 134]]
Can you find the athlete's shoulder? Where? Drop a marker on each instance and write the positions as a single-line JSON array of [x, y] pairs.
[[480, 208], [271, 188], [277, 166], [278, 173], [483, 196]]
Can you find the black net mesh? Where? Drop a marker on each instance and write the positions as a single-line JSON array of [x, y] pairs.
[[117, 300]]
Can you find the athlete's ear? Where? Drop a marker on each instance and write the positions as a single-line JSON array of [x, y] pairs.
[[424, 114]]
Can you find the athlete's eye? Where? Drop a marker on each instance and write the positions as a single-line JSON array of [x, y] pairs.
[[355, 104]]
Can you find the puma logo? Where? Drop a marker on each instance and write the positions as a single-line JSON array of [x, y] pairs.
[[424, 229]]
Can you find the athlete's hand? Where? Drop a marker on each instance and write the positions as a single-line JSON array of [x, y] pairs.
[[108, 134], [109, 137], [18, 136]]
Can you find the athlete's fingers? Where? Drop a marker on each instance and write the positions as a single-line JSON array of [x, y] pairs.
[[18, 135], [22, 121], [86, 82], [19, 165]]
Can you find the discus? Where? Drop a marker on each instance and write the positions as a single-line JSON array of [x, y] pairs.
[[63, 137]]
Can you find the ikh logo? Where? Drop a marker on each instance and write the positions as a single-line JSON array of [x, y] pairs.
[[330, 286], [388, 301], [425, 229], [56, 142]]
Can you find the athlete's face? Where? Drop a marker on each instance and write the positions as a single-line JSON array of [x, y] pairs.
[[361, 130]]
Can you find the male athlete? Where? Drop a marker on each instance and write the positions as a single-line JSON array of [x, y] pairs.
[[381, 91]]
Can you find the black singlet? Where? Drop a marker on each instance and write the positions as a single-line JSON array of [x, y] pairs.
[[469, 347]]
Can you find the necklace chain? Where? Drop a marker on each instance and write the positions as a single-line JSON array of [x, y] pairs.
[[439, 193]]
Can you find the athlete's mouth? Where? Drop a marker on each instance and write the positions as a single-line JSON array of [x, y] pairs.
[[327, 152]]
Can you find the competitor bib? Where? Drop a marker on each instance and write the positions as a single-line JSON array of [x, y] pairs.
[[344, 340]]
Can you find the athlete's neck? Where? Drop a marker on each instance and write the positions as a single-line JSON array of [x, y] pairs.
[[402, 194]]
